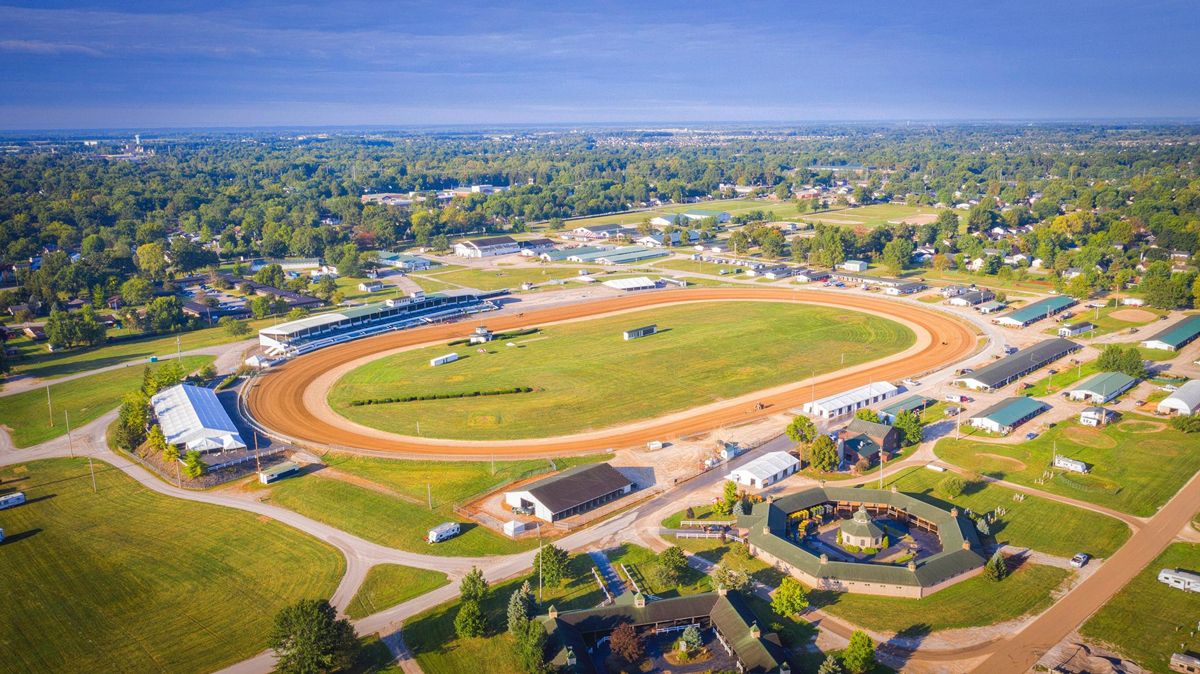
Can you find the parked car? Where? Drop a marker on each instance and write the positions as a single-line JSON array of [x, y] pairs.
[[1079, 560], [1170, 388], [1030, 435]]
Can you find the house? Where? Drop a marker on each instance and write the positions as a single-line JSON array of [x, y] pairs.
[[765, 471], [1007, 414], [862, 439], [907, 288], [856, 266], [972, 298], [1072, 273], [571, 492], [489, 247], [322, 272], [404, 262], [663, 240], [952, 291], [849, 401], [1095, 416], [35, 332], [1177, 336], [1013, 366], [775, 273], [1184, 401], [1101, 388], [1075, 329], [192, 418], [713, 247], [811, 275], [370, 286]]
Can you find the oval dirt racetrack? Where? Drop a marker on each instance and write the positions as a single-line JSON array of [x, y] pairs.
[[277, 398]]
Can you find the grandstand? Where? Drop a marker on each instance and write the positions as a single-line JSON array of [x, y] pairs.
[[315, 332]]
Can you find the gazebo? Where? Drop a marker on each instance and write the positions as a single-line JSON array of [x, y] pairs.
[[861, 531]]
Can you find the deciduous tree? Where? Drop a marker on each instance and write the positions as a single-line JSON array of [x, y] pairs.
[[789, 598], [308, 638]]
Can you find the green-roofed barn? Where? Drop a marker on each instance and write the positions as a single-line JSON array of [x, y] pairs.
[[1177, 336], [1007, 414], [1102, 387], [768, 530], [1035, 312], [910, 404], [860, 531]]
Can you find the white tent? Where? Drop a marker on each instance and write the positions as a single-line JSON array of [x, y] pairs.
[[192, 416], [1184, 401], [766, 470]]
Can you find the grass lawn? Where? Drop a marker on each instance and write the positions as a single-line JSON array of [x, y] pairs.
[[1126, 459], [713, 550], [431, 285], [389, 503], [498, 278], [642, 562], [704, 512], [972, 603], [36, 361], [129, 580], [1147, 620], [1047, 526], [26, 416], [1157, 355], [671, 371], [438, 650], [387, 585], [700, 267], [1066, 376], [1106, 324], [1035, 282], [796, 634]]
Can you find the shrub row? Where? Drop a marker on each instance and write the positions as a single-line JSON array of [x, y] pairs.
[[441, 396], [498, 337], [228, 381]]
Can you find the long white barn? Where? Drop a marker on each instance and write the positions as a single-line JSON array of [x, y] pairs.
[[849, 401]]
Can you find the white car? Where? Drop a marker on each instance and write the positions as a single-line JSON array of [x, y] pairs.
[[1079, 560]]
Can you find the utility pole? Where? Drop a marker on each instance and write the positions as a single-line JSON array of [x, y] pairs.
[[541, 598], [257, 462], [93, 469], [429, 490], [70, 443], [178, 350], [178, 479], [49, 406], [958, 421]]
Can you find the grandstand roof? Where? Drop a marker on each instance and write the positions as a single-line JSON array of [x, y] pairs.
[[193, 417]]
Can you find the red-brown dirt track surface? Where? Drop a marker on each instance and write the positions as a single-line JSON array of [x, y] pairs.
[[277, 399]]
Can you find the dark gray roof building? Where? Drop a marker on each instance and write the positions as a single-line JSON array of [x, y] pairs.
[[571, 492], [1011, 367]]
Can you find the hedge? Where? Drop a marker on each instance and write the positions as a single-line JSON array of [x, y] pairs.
[[441, 396], [500, 336]]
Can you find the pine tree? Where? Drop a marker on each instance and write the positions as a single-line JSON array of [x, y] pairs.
[[859, 656], [830, 666], [996, 569], [470, 622]]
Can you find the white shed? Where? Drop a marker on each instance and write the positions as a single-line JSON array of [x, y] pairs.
[[766, 470]]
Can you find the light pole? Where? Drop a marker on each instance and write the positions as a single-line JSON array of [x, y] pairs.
[[70, 443], [49, 406]]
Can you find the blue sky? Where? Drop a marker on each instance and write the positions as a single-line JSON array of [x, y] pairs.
[[70, 64]]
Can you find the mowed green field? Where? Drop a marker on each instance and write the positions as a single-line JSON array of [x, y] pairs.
[[128, 580], [1127, 462], [387, 585], [587, 377], [498, 278], [1044, 525], [1147, 620], [388, 501], [85, 399]]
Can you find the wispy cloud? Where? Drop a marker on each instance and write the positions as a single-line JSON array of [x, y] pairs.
[[47, 48]]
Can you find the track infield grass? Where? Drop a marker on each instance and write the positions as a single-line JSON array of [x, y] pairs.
[[130, 580], [85, 399], [1126, 462], [1041, 524], [1147, 620], [586, 377], [386, 501], [388, 585]]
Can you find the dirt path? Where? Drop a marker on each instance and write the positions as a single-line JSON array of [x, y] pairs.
[[289, 399]]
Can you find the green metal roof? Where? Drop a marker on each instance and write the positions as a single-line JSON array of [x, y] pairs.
[[1180, 333], [1041, 308], [909, 404], [1009, 411], [953, 531], [280, 468], [1106, 383]]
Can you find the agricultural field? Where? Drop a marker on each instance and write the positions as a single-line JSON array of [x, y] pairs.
[[974, 602], [670, 371], [438, 650], [1126, 460], [85, 399], [388, 501], [1043, 525], [387, 585], [129, 580], [1147, 620]]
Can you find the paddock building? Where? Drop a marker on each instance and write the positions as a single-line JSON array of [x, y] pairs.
[[772, 540], [1177, 336], [765, 471], [489, 247], [1008, 369], [1102, 388], [571, 492], [314, 332], [1035, 312]]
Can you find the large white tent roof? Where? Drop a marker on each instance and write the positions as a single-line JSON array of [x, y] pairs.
[[193, 417], [1184, 401], [766, 465]]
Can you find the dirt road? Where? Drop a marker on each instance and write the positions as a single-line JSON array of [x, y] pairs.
[[277, 401]]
